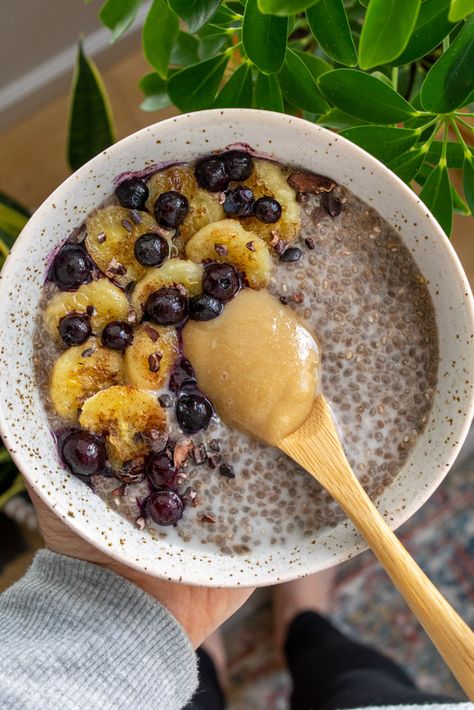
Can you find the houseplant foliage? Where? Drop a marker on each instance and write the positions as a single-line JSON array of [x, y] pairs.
[[394, 76]]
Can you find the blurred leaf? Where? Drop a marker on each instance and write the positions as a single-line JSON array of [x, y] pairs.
[[238, 91], [450, 80], [11, 223], [155, 91], [14, 204], [159, 33], [268, 93], [432, 26], [118, 15], [460, 9], [195, 87], [383, 142], [195, 12], [454, 154], [407, 164], [386, 30], [185, 50], [338, 120], [316, 65], [264, 38], [284, 7], [298, 86], [90, 119], [330, 27], [459, 206], [436, 194], [364, 96], [468, 182]]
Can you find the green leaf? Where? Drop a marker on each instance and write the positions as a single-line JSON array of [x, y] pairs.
[[90, 119], [12, 222], [238, 91], [159, 32], [432, 26], [407, 164], [195, 87], [118, 15], [298, 86], [468, 182], [212, 41], [330, 27], [450, 80], [264, 38], [364, 96], [284, 7], [196, 13], [14, 204], [185, 50], [339, 120], [155, 91], [436, 194], [316, 65], [267, 93], [454, 154], [460, 9], [386, 30], [459, 206], [383, 142]]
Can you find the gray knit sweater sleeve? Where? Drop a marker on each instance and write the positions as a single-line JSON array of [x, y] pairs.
[[75, 635]]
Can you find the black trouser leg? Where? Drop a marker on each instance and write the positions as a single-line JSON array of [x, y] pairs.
[[209, 695], [329, 671]]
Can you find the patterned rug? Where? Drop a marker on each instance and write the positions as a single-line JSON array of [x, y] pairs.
[[440, 537]]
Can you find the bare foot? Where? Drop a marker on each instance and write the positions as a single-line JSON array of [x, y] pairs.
[[312, 593], [214, 647]]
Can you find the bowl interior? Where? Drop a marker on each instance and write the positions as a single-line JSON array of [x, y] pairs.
[[292, 141]]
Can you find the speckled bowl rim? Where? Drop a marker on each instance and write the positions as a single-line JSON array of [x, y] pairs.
[[292, 562]]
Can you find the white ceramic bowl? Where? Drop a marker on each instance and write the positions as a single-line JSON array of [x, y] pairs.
[[23, 422]]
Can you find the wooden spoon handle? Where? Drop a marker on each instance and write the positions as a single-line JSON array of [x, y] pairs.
[[319, 451]]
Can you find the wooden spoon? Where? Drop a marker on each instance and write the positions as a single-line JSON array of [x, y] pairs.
[[316, 447]]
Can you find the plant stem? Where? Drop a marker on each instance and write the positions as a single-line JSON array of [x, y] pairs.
[[467, 152], [443, 161], [420, 129], [395, 78], [466, 124], [446, 43], [17, 487], [427, 144]]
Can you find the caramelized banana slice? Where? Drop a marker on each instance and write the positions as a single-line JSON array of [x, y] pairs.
[[80, 372], [173, 271], [106, 302], [127, 417], [228, 241], [270, 180], [151, 357], [111, 236], [204, 207]]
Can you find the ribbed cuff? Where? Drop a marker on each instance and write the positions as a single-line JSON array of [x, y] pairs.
[[76, 635]]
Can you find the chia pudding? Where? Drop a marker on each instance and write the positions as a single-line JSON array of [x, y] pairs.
[[124, 403]]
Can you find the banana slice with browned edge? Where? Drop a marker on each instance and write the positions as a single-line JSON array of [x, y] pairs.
[[127, 417], [80, 372], [173, 271], [270, 180], [151, 356], [228, 241], [111, 235], [204, 207], [105, 302]]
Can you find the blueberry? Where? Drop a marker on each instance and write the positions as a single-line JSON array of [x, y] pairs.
[[239, 202], [171, 208], [164, 507], [117, 335], [75, 328], [205, 307], [71, 267], [83, 452], [266, 209], [160, 471], [238, 163], [221, 281], [132, 193], [151, 249], [193, 412], [211, 174], [182, 376], [167, 306], [291, 254]]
